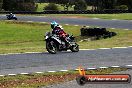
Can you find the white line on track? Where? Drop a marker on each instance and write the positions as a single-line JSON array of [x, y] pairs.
[[52, 71], [96, 18], [66, 24], [119, 47], [2, 75], [13, 53], [76, 69], [12, 74], [104, 48], [115, 66], [91, 68], [112, 28], [39, 72], [126, 29], [103, 67], [129, 65], [76, 25], [87, 49], [24, 73], [129, 46], [32, 52], [5, 54], [87, 26], [63, 70], [114, 19]]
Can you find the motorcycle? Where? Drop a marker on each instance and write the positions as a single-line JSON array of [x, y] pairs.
[[54, 43], [9, 17]]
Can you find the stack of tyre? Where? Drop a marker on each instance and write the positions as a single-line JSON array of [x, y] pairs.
[[96, 32]]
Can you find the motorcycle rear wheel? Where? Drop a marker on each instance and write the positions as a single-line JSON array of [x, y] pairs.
[[15, 18], [75, 48]]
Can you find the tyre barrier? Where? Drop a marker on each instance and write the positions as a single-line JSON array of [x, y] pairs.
[[96, 32]]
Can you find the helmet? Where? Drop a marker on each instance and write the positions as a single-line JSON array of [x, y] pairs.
[[54, 24], [11, 13]]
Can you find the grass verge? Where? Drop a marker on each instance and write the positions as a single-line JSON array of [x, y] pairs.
[[121, 16], [19, 37], [44, 79]]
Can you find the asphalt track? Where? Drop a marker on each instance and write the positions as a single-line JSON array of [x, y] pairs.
[[123, 24], [28, 63]]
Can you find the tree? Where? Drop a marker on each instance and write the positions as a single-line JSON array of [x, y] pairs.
[[1, 3], [125, 2], [106, 4], [80, 5], [9, 5], [122, 7], [102, 4], [67, 3], [26, 5], [51, 6], [19, 5]]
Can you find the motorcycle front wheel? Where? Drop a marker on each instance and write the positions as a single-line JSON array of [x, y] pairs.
[[51, 47]]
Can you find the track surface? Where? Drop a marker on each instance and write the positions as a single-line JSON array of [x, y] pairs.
[[125, 24], [64, 60]]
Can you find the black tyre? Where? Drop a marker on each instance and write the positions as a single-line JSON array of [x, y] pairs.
[[75, 48], [51, 47], [15, 18], [8, 18], [81, 80]]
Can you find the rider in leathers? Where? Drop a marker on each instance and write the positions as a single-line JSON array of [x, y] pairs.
[[58, 30], [12, 15]]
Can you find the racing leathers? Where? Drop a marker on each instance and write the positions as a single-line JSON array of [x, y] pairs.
[[58, 30]]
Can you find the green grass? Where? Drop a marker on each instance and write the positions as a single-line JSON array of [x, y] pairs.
[[122, 16], [29, 37], [38, 80]]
